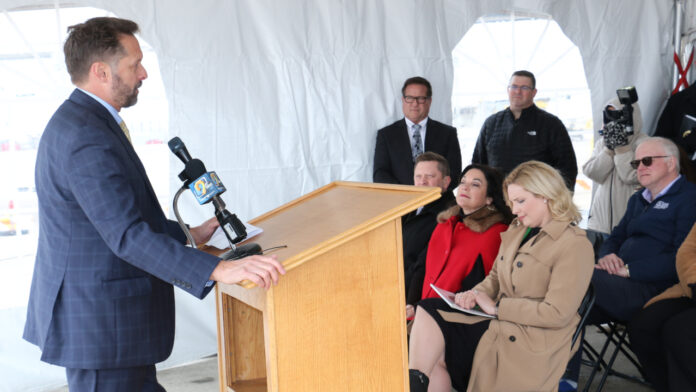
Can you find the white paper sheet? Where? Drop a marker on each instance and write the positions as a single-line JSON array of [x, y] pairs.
[[219, 240], [449, 298]]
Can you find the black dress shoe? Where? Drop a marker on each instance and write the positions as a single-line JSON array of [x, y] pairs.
[[419, 381]]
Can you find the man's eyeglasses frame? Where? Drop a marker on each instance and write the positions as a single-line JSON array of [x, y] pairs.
[[514, 87], [411, 99]]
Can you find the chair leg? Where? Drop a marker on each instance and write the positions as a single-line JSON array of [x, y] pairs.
[[621, 337], [599, 362], [618, 337]]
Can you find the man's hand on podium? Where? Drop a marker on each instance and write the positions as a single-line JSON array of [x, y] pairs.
[[262, 270]]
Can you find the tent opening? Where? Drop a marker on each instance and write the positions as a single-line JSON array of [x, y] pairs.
[[496, 46]]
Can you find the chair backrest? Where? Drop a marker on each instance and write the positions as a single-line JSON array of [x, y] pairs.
[[596, 239], [584, 311]]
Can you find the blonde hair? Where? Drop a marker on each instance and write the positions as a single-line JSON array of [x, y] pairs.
[[543, 180]]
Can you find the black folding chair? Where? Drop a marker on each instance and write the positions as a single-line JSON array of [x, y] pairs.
[[615, 333], [584, 311]]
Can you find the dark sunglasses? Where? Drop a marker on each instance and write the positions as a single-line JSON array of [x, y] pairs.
[[646, 161]]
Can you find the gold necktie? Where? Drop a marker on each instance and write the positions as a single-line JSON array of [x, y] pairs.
[[125, 130]]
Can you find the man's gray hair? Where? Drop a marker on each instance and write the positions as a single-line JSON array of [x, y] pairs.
[[669, 147]]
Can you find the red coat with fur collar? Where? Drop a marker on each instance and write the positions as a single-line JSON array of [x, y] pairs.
[[456, 244]]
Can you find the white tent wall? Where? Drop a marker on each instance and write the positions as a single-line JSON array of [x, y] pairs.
[[281, 97]]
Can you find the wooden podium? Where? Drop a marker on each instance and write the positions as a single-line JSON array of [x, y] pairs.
[[336, 319]]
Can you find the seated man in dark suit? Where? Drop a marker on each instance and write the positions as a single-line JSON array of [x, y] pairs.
[[400, 143], [417, 227]]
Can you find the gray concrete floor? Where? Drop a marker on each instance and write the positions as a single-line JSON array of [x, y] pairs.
[[202, 376]]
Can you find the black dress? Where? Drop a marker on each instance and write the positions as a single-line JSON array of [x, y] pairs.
[[460, 341]]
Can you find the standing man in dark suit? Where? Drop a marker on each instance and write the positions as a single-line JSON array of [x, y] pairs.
[[102, 297], [399, 144]]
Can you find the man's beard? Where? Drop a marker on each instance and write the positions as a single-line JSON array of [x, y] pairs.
[[124, 95]]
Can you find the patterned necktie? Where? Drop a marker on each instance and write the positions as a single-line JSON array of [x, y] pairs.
[[417, 147], [125, 130]]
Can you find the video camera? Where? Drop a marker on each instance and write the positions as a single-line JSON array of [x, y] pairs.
[[618, 124]]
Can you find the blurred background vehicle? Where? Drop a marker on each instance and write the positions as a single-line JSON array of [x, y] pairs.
[[7, 226]]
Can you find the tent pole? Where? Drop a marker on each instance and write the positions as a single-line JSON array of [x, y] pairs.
[[678, 16]]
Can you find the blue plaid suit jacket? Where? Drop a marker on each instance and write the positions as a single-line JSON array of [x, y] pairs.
[[102, 292]]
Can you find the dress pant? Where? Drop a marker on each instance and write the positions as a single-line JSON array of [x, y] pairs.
[[135, 379], [663, 337], [619, 299]]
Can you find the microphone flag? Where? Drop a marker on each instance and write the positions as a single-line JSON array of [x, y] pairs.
[[207, 186]]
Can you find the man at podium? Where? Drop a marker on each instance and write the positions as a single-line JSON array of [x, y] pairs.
[[102, 297]]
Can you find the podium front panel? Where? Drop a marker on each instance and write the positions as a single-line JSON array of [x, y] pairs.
[[339, 319]]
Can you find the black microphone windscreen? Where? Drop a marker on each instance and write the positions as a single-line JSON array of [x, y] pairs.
[[175, 144], [194, 169]]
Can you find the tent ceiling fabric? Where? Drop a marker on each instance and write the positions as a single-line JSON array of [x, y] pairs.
[[281, 97]]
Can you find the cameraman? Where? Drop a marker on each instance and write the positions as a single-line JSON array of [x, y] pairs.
[[615, 180]]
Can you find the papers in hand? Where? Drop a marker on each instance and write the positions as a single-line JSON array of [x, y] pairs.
[[449, 298], [219, 240]]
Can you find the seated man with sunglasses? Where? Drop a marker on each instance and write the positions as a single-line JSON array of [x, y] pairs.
[[637, 261]]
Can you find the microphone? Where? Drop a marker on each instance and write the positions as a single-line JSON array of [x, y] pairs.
[[206, 186], [179, 149], [193, 168]]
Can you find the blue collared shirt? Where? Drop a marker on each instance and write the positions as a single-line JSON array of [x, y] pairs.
[[648, 197], [114, 112]]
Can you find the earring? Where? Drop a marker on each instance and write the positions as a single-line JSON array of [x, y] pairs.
[[546, 201], [490, 207]]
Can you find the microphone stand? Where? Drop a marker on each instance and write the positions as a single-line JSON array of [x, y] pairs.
[[235, 252], [183, 226]]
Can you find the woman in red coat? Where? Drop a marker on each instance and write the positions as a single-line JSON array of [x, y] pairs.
[[465, 243]]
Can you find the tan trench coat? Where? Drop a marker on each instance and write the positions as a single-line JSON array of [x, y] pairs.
[[686, 270], [540, 288]]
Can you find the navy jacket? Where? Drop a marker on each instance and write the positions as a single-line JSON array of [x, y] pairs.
[[102, 294], [393, 162], [649, 234]]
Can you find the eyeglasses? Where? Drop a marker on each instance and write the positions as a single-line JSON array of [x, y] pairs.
[[646, 161], [515, 87], [410, 99]]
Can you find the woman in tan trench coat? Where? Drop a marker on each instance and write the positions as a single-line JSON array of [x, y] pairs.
[[539, 278]]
